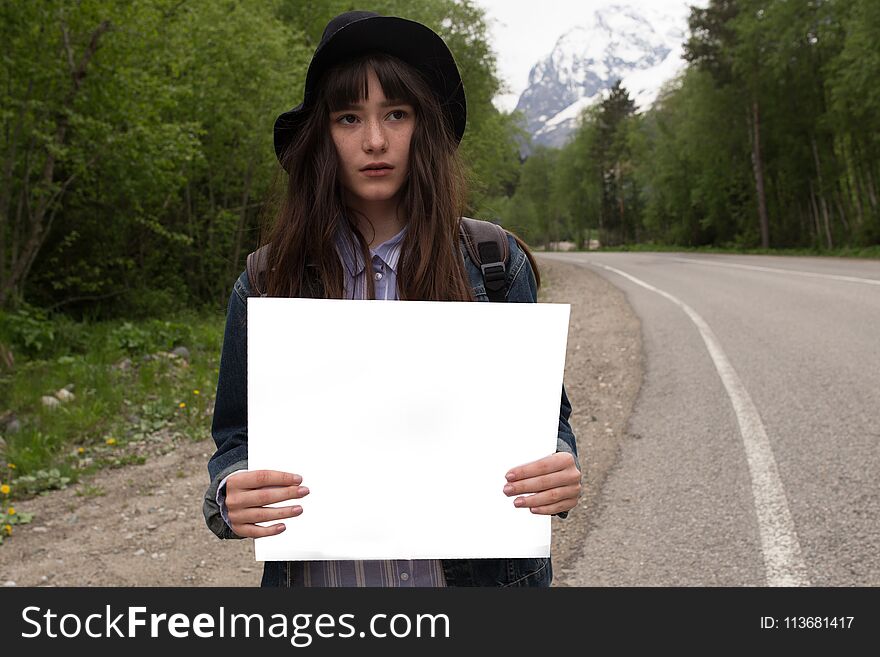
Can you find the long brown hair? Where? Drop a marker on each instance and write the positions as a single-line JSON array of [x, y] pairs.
[[304, 261]]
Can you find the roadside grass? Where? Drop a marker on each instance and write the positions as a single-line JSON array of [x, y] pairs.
[[127, 387]]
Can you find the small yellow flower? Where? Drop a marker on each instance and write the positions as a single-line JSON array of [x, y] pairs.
[[5, 489], [195, 392], [8, 529], [110, 441], [182, 405], [11, 511], [11, 465], [81, 450]]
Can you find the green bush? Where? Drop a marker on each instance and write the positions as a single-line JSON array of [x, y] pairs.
[[167, 335], [130, 338], [31, 332], [27, 330], [150, 336]]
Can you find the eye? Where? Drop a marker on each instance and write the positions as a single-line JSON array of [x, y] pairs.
[[397, 115], [347, 119]]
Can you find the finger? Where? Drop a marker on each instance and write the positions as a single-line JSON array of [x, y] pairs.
[[566, 477], [264, 514], [548, 497], [255, 531], [553, 509], [546, 465], [256, 498], [251, 479]]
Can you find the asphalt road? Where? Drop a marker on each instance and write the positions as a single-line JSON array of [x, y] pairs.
[[753, 454]]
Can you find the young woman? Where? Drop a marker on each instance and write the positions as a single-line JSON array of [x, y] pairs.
[[372, 210]]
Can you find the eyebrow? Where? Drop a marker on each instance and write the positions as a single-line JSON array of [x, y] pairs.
[[386, 103]]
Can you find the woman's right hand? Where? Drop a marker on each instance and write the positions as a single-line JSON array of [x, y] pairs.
[[248, 493]]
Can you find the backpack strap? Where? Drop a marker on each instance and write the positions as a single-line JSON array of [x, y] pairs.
[[257, 263], [487, 246]]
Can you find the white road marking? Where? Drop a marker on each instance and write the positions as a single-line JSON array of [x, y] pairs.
[[775, 270], [783, 560]]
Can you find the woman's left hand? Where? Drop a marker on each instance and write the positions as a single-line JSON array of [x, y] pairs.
[[554, 481]]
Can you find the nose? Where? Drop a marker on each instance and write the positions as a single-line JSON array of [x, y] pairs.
[[374, 137]]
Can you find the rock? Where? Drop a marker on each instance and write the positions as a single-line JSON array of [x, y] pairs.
[[50, 402], [69, 387], [140, 552], [9, 582], [123, 365], [155, 555], [40, 530], [64, 395], [8, 424], [183, 352]]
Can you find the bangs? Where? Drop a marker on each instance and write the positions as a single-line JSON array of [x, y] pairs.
[[348, 84]]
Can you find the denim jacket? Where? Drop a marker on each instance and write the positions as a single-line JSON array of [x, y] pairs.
[[230, 432]]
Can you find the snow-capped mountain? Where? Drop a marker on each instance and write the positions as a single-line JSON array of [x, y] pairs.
[[641, 47]]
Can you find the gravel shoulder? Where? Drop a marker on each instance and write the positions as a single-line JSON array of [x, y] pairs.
[[147, 529], [603, 373]]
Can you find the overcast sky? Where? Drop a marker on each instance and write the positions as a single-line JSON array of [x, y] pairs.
[[524, 31]]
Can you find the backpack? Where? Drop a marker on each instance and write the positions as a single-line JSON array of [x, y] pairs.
[[486, 244]]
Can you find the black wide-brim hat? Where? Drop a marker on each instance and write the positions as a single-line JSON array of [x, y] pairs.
[[360, 32]]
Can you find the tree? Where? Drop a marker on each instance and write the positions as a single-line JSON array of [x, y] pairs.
[[719, 47], [612, 152], [136, 153], [38, 134]]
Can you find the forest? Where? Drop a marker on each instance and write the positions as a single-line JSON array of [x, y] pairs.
[[136, 152], [137, 169], [769, 139]]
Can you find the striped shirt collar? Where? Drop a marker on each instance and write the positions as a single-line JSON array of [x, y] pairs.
[[388, 251]]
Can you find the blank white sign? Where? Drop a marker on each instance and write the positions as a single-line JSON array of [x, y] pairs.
[[403, 418]]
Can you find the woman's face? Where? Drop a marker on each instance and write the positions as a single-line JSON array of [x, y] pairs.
[[372, 142]]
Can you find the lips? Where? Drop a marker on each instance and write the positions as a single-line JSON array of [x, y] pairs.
[[377, 170], [377, 166]]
